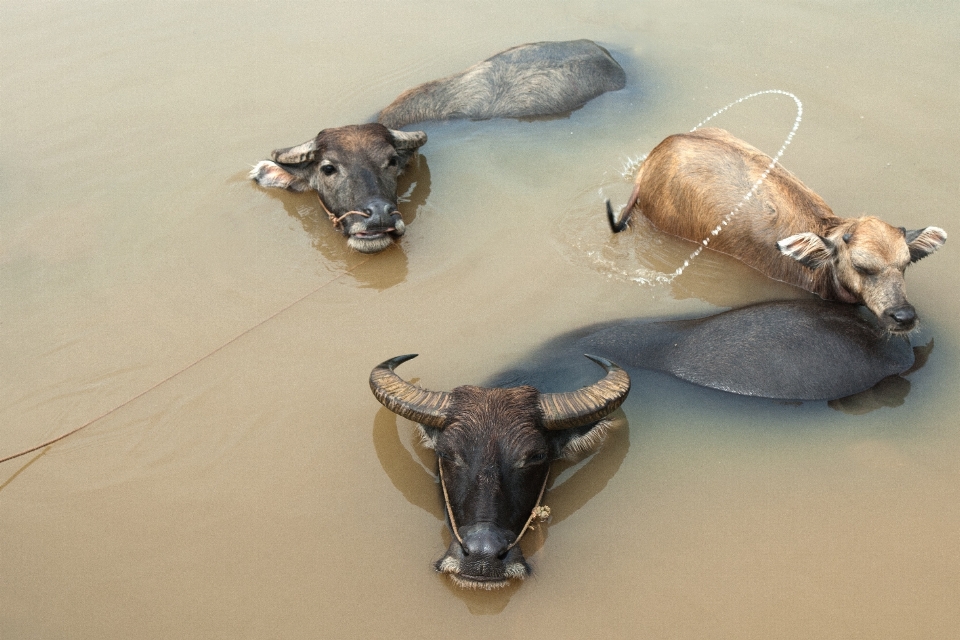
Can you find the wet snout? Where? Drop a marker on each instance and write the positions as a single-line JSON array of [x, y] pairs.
[[483, 543], [900, 319], [375, 226], [486, 560], [383, 216], [885, 296]]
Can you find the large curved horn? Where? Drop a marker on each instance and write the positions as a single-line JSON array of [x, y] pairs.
[[407, 400], [295, 155], [589, 404], [408, 140]]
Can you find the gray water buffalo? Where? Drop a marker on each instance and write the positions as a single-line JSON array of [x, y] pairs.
[[354, 169], [531, 80], [690, 182], [789, 350], [494, 448]]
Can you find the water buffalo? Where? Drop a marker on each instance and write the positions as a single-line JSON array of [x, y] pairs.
[[690, 183], [354, 169], [494, 447], [805, 349], [531, 80]]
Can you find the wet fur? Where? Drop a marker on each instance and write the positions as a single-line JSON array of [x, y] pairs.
[[530, 80], [690, 182], [488, 447]]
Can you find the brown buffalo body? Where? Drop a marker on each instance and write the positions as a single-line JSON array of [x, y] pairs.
[[690, 183]]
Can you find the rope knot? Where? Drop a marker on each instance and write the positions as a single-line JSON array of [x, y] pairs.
[[541, 513]]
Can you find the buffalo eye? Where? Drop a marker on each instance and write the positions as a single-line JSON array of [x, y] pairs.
[[328, 169], [394, 161], [865, 271], [536, 458]]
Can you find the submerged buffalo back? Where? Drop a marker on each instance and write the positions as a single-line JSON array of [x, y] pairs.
[[791, 350], [531, 80]]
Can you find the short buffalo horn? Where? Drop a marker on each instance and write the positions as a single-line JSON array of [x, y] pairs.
[[408, 140], [589, 404], [410, 401], [295, 155]]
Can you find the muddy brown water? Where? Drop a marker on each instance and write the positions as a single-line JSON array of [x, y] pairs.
[[238, 480]]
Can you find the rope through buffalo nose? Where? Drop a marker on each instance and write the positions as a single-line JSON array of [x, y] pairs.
[[537, 513], [338, 220]]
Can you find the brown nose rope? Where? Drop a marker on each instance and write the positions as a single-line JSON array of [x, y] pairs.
[[538, 512], [338, 220]]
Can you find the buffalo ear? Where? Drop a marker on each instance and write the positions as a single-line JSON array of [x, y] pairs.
[[428, 436], [306, 152], [408, 141], [923, 242], [575, 443], [272, 176], [808, 249]]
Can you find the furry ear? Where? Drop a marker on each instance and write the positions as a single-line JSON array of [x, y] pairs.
[[923, 242], [428, 436], [573, 444], [272, 176], [305, 152], [408, 140], [406, 143], [808, 249]]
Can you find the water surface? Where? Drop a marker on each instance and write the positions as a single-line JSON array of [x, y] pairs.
[[237, 478]]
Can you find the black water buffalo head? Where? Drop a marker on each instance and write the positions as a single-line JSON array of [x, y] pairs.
[[494, 448], [354, 170]]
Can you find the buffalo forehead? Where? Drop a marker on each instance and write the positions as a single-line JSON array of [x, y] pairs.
[[477, 408], [357, 140], [874, 239]]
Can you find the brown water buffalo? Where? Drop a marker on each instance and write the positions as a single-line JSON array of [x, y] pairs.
[[690, 182], [354, 169], [494, 447], [531, 80]]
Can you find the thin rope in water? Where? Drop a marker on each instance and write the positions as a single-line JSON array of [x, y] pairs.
[[186, 368], [756, 185]]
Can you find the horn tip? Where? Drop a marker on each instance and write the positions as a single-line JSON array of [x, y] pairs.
[[603, 362], [397, 361]]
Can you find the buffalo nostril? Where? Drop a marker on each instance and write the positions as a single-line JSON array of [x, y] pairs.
[[904, 315], [485, 544]]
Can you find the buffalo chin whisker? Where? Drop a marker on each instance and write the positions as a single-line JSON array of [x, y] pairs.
[[451, 567], [373, 245], [488, 585]]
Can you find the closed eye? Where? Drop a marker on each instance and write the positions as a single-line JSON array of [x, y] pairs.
[[536, 458]]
